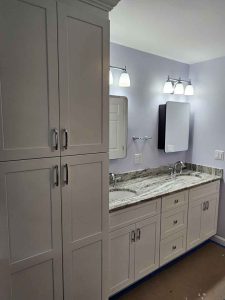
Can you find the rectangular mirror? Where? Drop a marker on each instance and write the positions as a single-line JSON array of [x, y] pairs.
[[118, 123], [174, 122]]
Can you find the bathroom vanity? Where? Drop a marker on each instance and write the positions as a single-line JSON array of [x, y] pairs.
[[155, 219]]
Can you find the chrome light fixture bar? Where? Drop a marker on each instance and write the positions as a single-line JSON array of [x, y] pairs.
[[124, 80], [176, 86]]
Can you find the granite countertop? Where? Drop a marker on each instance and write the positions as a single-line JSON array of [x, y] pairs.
[[139, 189]]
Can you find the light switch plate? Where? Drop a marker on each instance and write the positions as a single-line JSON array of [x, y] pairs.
[[138, 158], [219, 155]]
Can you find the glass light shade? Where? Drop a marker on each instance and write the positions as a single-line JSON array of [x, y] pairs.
[[124, 80], [189, 90], [179, 89], [110, 78], [168, 87]]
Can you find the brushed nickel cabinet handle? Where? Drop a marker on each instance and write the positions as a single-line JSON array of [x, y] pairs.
[[138, 234], [56, 139], [133, 236], [66, 181], [56, 181], [207, 205], [66, 139], [204, 206]]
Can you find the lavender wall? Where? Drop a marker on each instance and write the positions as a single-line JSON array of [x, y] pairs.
[[208, 120], [148, 74]]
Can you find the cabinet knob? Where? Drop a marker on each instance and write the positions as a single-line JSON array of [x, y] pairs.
[[175, 222], [174, 247], [176, 201]]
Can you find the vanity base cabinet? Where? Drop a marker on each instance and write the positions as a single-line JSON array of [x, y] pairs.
[[134, 252], [202, 214], [121, 253]]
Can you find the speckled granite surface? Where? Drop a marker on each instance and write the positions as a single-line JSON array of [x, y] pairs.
[[146, 185]]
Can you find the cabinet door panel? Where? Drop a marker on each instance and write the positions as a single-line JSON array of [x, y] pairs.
[[147, 247], [209, 217], [121, 259], [83, 62], [85, 225], [30, 208], [194, 236], [29, 110]]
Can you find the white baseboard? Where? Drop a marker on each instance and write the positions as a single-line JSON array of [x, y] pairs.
[[219, 240]]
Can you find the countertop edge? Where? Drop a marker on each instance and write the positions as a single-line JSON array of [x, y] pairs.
[[161, 195]]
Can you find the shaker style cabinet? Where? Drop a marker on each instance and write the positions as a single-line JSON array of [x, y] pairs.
[[32, 43], [134, 252], [83, 81], [54, 63], [30, 230], [85, 226], [203, 213], [29, 109]]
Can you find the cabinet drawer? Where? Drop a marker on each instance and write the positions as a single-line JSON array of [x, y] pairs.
[[174, 200], [172, 247], [204, 190], [173, 221], [133, 214]]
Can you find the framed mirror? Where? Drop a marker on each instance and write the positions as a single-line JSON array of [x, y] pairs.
[[118, 126]]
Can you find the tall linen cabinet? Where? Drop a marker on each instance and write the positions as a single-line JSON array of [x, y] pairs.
[[53, 149]]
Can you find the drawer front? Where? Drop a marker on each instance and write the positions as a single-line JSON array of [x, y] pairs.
[[133, 214], [174, 200], [172, 247], [173, 221], [204, 190]]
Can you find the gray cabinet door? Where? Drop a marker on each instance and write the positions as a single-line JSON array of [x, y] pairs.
[[147, 246], [30, 230], [85, 226], [83, 80], [29, 109], [121, 251]]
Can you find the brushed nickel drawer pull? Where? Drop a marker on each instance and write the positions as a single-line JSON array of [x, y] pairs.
[[175, 222], [67, 174], [174, 247], [56, 139], [176, 201], [56, 182], [65, 131]]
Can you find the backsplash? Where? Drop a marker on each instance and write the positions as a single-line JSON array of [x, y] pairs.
[[165, 170]]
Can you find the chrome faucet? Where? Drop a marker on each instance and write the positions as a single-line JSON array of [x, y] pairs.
[[173, 169], [113, 179]]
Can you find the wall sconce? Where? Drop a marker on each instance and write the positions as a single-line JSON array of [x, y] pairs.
[[124, 80], [176, 86]]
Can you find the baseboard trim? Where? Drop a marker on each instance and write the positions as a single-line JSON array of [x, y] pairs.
[[219, 240]]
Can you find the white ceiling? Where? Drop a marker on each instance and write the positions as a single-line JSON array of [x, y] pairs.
[[188, 31]]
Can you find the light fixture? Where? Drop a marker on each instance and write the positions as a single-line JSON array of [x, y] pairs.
[[179, 88], [189, 90], [110, 77], [168, 87], [124, 80], [176, 86]]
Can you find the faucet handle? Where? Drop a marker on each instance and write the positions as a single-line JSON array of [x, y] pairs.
[[171, 170]]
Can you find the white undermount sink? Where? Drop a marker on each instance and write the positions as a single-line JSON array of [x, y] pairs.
[[115, 194]]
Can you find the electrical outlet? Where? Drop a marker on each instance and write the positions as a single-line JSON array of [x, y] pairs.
[[219, 155], [138, 158]]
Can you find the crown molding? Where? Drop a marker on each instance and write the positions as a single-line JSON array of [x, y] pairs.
[[106, 5]]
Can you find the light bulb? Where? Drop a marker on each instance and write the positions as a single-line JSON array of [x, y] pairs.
[[110, 77], [124, 79], [168, 87], [179, 88], [189, 90]]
